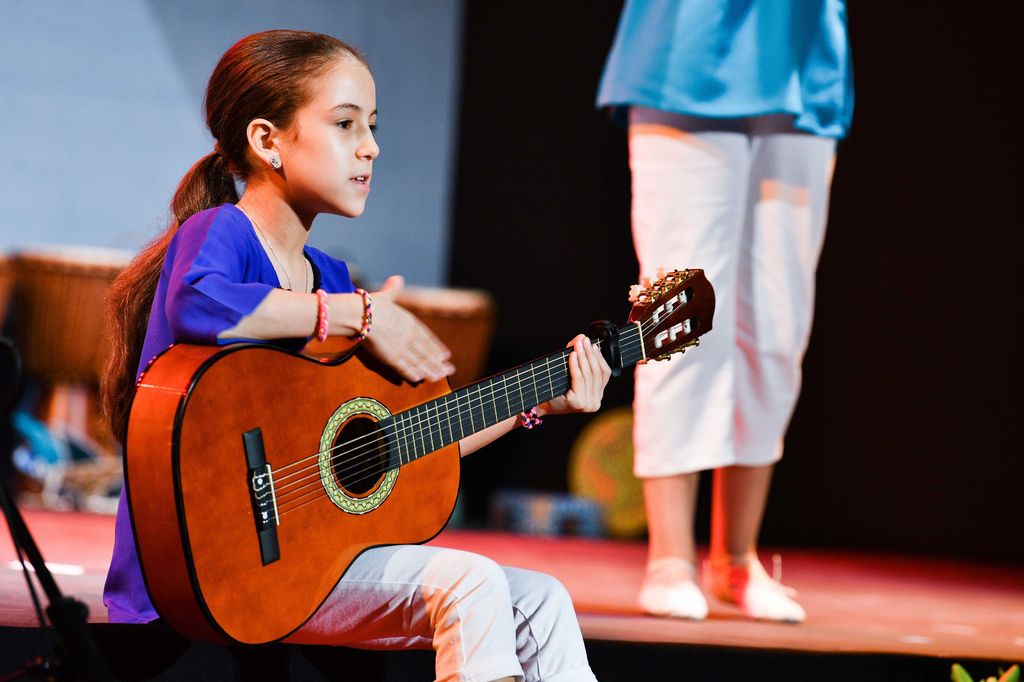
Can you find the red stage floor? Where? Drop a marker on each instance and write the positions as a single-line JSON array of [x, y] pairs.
[[856, 602]]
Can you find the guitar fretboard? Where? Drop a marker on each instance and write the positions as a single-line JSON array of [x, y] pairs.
[[440, 422]]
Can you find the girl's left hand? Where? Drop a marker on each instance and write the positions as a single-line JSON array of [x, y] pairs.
[[589, 373]]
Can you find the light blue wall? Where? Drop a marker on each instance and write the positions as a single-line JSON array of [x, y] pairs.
[[101, 115]]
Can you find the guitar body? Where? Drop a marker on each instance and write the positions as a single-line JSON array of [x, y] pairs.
[[189, 484], [256, 476]]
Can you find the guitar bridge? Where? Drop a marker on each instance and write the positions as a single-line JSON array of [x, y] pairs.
[[262, 495]]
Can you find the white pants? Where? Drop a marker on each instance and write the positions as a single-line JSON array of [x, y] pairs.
[[747, 204], [485, 621]]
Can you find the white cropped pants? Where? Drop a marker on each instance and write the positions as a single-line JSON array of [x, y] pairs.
[[484, 621], [745, 200]]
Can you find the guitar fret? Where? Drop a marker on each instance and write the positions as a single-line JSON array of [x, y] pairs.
[[414, 431], [482, 414], [395, 425], [464, 414], [448, 418], [494, 405], [480, 408], [388, 426], [508, 403], [395, 435], [518, 385], [402, 433], [403, 446], [410, 434], [425, 427], [421, 429], [515, 404], [482, 404], [407, 428], [539, 390], [494, 399], [438, 415], [430, 428], [501, 400], [547, 368], [458, 418]]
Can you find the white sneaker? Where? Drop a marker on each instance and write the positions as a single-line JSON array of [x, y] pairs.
[[746, 584], [669, 589]]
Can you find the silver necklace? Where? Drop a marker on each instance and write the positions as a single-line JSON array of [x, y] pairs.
[[265, 240]]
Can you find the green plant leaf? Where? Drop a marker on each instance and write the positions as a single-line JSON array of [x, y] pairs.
[[1011, 675], [959, 674]]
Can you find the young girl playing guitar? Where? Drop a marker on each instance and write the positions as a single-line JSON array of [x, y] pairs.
[[293, 116]]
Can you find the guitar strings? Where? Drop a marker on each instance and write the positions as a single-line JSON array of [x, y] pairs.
[[417, 425], [471, 403], [480, 398], [561, 361], [428, 423], [313, 490], [316, 491]]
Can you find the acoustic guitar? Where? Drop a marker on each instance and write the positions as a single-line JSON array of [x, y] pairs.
[[256, 476]]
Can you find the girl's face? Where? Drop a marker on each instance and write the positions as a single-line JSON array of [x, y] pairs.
[[328, 151]]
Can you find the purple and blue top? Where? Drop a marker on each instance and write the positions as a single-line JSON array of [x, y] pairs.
[[216, 272]]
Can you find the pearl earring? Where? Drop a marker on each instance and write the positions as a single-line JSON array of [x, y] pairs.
[[275, 162]]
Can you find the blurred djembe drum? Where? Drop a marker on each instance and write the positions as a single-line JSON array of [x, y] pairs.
[[58, 323], [59, 312], [463, 319]]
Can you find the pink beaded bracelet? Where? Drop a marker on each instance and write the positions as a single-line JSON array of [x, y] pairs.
[[322, 312], [530, 419], [364, 331]]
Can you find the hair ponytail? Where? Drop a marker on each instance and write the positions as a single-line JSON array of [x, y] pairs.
[[206, 184], [264, 75], [130, 297]]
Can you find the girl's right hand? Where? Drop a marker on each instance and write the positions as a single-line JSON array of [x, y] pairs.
[[400, 340]]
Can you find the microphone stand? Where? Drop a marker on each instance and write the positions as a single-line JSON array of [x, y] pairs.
[[75, 656]]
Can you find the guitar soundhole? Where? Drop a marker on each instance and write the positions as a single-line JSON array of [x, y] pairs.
[[361, 456]]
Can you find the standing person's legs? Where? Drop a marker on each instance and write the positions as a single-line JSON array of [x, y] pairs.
[[784, 231], [689, 185], [790, 179], [484, 622]]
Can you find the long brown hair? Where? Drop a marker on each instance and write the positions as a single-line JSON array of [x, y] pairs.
[[264, 75]]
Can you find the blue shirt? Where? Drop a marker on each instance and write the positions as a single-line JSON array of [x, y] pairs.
[[215, 273], [734, 58]]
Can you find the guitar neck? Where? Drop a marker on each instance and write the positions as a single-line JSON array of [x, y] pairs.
[[433, 425]]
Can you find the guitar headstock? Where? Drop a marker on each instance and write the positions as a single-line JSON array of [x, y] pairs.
[[673, 312]]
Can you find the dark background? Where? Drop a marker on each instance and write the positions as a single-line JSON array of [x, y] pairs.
[[905, 437]]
